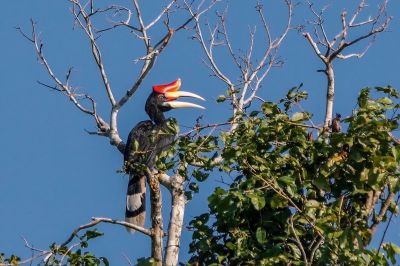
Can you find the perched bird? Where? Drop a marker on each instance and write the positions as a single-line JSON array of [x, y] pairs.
[[336, 127], [147, 140]]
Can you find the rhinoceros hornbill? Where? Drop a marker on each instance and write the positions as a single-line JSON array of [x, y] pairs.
[[146, 141]]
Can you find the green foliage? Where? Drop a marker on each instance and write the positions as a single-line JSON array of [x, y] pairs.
[[12, 260], [291, 200], [294, 200], [66, 254], [146, 262], [77, 256]]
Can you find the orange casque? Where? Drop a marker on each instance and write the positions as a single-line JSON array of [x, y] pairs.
[[166, 88]]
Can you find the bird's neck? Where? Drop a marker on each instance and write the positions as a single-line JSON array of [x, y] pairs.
[[157, 117]]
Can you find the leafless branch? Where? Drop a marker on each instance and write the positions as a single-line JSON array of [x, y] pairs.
[[83, 15], [334, 48], [64, 88], [84, 20], [163, 12], [199, 128], [387, 225], [252, 70], [298, 242], [315, 248], [95, 221], [269, 58], [125, 23], [149, 60], [385, 206]]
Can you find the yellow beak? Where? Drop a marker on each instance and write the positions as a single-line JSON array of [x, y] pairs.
[[178, 104]]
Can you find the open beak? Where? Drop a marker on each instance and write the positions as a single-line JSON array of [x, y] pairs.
[[171, 93]]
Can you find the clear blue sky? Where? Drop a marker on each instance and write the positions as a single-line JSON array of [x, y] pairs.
[[55, 177]]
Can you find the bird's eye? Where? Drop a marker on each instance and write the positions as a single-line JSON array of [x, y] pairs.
[[161, 96]]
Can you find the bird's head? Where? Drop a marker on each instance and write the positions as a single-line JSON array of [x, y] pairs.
[[163, 98]]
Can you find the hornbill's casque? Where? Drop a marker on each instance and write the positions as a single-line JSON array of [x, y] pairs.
[[146, 141]]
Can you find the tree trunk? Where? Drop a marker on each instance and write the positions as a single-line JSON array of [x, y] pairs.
[[176, 222], [156, 220], [329, 95]]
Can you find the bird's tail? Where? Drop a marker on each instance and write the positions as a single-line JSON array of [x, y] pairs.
[[135, 212]]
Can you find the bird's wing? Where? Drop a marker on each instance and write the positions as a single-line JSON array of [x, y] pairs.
[[138, 143]]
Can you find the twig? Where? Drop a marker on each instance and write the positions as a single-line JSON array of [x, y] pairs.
[[97, 220], [335, 47], [382, 213], [387, 225], [300, 246]]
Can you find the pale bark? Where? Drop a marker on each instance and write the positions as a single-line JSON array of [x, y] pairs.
[[330, 49], [176, 222], [156, 220], [330, 94]]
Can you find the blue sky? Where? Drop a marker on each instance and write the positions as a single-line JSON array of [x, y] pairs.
[[55, 177]]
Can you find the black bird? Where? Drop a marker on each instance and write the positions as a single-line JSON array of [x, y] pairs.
[[147, 140], [336, 127]]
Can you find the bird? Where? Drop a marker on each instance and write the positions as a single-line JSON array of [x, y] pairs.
[[146, 141], [336, 127]]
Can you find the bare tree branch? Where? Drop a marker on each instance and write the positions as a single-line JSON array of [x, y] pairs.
[[95, 221], [387, 225], [86, 24], [163, 12], [253, 70], [334, 49], [378, 219], [65, 88], [298, 242]]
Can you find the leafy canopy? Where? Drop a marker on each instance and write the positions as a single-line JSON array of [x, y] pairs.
[[294, 200]]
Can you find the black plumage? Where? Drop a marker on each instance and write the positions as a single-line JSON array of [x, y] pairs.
[[146, 141]]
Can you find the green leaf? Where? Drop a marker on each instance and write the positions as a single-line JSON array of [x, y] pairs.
[[321, 183], [93, 234], [254, 113], [199, 175], [385, 101], [362, 99], [287, 179], [146, 262], [261, 235], [312, 204], [194, 187], [258, 201], [299, 116], [230, 245], [278, 201], [221, 98], [189, 195], [268, 108], [396, 152], [392, 250], [295, 250]]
